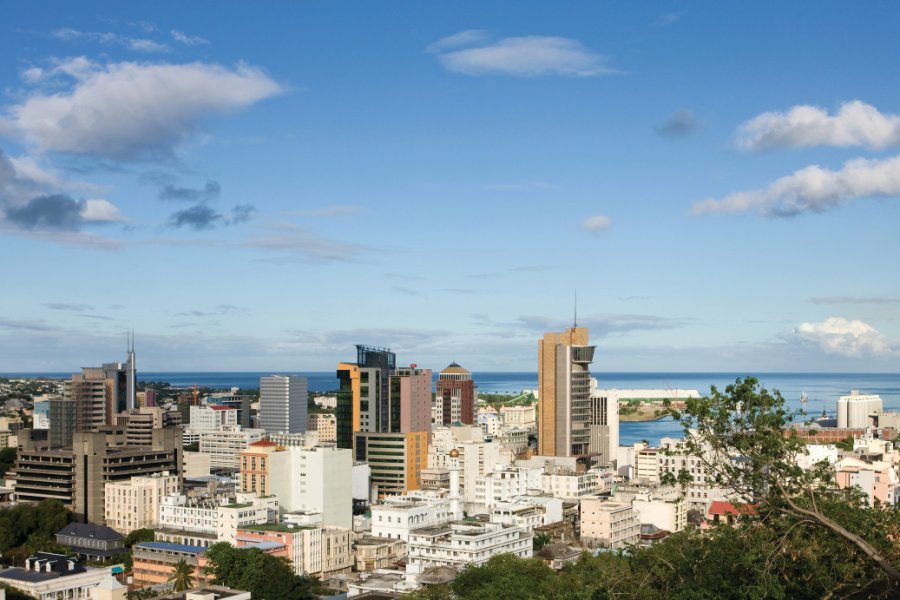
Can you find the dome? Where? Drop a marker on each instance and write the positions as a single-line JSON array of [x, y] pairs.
[[455, 368], [454, 453]]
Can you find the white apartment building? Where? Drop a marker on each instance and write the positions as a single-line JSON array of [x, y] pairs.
[[489, 421], [225, 444], [524, 515], [647, 466], [666, 511], [399, 515], [853, 411], [563, 483], [212, 416], [282, 403], [608, 524], [134, 503], [504, 483], [702, 490], [213, 517], [476, 458], [519, 416], [325, 424], [318, 479], [307, 439], [460, 544]]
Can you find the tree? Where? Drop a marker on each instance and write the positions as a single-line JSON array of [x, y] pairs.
[[539, 541], [743, 439], [182, 576], [139, 535], [263, 575], [7, 460]]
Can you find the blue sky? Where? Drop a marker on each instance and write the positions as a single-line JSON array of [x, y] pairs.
[[254, 189]]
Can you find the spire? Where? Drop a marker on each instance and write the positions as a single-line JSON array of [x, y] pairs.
[[575, 320]]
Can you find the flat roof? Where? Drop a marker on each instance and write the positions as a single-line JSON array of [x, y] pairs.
[[172, 546]]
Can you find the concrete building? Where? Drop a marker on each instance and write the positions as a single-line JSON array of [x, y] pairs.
[[455, 395], [519, 416], [77, 476], [410, 401], [40, 415], [317, 479], [564, 389], [325, 424], [48, 576], [363, 393], [302, 545], [139, 423], [853, 411], [608, 524], [282, 403], [604, 424], [219, 518], [465, 543], [213, 416], [232, 399], [134, 504], [396, 460], [225, 444], [397, 516], [564, 483], [377, 553], [92, 542], [62, 423], [155, 561]]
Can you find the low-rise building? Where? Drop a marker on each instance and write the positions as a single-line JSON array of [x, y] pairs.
[[608, 524], [154, 562], [377, 553], [462, 543], [48, 576], [397, 516], [134, 503], [94, 542], [225, 444], [325, 424]]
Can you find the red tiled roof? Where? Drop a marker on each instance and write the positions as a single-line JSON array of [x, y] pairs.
[[217, 407], [719, 507], [263, 443]]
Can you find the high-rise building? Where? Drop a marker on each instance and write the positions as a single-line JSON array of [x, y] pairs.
[[282, 403], [564, 384], [409, 400], [62, 421], [101, 393], [455, 396], [604, 424], [396, 460], [363, 394]]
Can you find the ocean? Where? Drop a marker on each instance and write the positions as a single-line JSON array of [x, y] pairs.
[[823, 389]]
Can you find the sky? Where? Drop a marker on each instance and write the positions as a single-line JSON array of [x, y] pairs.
[[262, 187]]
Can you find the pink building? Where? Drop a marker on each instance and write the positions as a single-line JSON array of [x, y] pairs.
[[410, 395], [877, 479]]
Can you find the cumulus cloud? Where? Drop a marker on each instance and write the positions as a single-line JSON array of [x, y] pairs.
[[210, 191], [469, 53], [59, 211], [813, 189], [32, 198], [108, 39], [844, 337], [130, 110], [597, 223], [680, 124], [855, 124]]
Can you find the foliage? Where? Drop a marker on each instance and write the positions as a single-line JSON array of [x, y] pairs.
[[845, 444], [192, 447], [14, 594], [539, 541], [182, 576], [744, 440], [139, 535], [263, 575], [7, 460], [26, 528]]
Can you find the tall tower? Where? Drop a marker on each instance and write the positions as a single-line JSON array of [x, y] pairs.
[[363, 400], [131, 369], [455, 396], [564, 385], [282, 403]]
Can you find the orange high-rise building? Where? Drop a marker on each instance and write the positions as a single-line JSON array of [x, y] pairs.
[[564, 387]]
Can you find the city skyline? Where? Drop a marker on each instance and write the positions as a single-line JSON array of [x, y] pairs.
[[717, 182]]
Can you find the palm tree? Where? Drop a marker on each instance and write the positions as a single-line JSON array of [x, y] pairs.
[[182, 576]]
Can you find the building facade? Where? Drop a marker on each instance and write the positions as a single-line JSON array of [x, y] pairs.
[[455, 396], [282, 403]]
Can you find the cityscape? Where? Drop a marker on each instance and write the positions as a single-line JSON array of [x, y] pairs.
[[314, 301]]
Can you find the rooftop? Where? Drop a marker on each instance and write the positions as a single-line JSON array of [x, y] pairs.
[[88, 530], [220, 592], [279, 527], [172, 547]]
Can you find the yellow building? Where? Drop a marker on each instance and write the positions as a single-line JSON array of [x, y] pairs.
[[256, 467], [396, 460], [564, 384]]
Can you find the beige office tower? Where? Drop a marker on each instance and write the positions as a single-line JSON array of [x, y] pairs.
[[564, 385]]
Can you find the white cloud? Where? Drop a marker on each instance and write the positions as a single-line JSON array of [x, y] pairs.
[[527, 56], [468, 37], [188, 40], [597, 223], [100, 211], [813, 189], [107, 38], [843, 337], [130, 110], [855, 124]]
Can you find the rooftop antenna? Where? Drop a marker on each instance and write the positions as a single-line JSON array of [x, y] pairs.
[[575, 320]]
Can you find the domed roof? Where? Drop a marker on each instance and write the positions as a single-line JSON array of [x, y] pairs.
[[454, 453], [455, 368]]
